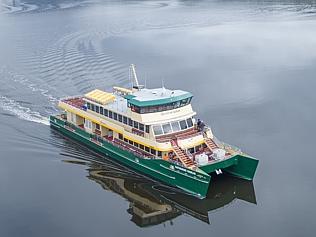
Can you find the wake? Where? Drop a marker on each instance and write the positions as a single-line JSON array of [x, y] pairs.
[[21, 111]]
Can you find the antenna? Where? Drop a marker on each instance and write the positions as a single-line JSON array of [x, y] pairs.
[[162, 83], [133, 77]]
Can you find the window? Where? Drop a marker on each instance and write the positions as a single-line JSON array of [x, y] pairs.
[[101, 110], [177, 104], [114, 116], [131, 142], [106, 112], [120, 118], [184, 102], [92, 107], [88, 124], [147, 128], [183, 124], [97, 126], [125, 140], [120, 136], [141, 146], [175, 126], [157, 130], [159, 153], [147, 149], [130, 122], [97, 109], [135, 124], [166, 128], [136, 144], [110, 114], [88, 105], [137, 109], [153, 151], [141, 127], [124, 120], [189, 122]]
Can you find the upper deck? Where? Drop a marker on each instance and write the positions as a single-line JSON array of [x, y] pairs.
[[147, 106]]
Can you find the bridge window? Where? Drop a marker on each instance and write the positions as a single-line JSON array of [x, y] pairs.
[[101, 110], [160, 108], [97, 109], [110, 114], [120, 118], [106, 112], [114, 116], [147, 128]]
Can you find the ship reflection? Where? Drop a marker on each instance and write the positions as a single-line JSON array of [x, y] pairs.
[[151, 203]]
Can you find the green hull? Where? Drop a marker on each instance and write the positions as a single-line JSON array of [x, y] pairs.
[[241, 166], [194, 182]]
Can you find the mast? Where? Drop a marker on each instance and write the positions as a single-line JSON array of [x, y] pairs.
[[133, 78]]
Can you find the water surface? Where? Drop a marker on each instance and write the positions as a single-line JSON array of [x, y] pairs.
[[251, 66]]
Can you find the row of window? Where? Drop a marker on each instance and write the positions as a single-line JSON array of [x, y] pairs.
[[118, 117], [173, 126], [160, 108], [140, 146]]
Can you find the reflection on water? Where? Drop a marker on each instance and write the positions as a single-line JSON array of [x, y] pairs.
[[152, 203]]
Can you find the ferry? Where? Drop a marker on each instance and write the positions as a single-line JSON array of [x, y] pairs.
[[154, 132]]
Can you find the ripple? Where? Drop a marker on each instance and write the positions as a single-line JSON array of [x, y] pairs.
[[22, 112]]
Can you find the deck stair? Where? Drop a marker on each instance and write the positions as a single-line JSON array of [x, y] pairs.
[[210, 144], [183, 157]]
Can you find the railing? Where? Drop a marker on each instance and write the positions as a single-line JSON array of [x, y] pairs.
[[226, 146], [101, 140]]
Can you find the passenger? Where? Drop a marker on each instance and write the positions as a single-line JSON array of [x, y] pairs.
[[202, 126], [198, 123]]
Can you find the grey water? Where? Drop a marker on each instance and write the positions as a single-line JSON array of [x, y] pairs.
[[251, 66]]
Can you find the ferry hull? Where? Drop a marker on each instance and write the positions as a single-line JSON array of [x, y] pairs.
[[193, 182], [241, 166]]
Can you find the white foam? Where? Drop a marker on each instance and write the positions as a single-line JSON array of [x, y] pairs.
[[22, 112]]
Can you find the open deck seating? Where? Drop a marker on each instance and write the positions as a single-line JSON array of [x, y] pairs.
[[192, 132], [133, 148], [77, 102]]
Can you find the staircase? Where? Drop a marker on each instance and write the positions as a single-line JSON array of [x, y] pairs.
[[183, 157], [210, 144]]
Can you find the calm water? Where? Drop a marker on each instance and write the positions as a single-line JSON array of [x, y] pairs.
[[251, 66]]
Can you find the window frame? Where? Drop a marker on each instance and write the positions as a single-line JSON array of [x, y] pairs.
[[170, 128], [157, 125]]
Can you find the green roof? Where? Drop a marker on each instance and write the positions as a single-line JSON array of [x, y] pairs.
[[143, 103]]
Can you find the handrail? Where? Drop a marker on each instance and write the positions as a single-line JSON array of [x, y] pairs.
[[102, 140]]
